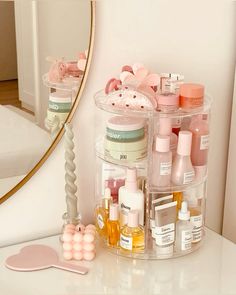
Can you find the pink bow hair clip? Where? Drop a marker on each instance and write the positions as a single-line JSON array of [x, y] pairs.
[[140, 78], [82, 60]]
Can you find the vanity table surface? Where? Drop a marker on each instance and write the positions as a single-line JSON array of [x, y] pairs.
[[209, 270]]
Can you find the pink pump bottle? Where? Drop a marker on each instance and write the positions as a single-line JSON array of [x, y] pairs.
[[182, 168], [162, 161], [165, 128], [200, 142]]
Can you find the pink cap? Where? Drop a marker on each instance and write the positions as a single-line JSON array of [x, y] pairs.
[[165, 127], [131, 180], [168, 99], [184, 143], [114, 212], [162, 143], [133, 218], [191, 90]]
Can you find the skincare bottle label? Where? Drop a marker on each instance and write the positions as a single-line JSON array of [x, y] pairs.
[[100, 221], [188, 177], [124, 213], [126, 242], [165, 235], [165, 168], [204, 144], [196, 221], [186, 240]]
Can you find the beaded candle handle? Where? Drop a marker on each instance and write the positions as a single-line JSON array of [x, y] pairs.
[[70, 177]]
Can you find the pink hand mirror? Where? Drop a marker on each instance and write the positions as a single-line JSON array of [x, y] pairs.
[[37, 257]]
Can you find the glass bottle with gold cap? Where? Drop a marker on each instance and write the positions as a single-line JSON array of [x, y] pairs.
[[102, 213]]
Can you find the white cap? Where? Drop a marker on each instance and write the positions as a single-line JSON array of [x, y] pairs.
[[184, 214], [162, 143], [131, 180], [184, 143]]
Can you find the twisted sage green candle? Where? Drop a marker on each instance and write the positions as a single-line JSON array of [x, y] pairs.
[[70, 177]]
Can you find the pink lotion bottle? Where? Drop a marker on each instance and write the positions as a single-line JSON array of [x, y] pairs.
[[200, 142], [182, 169], [165, 128], [162, 161]]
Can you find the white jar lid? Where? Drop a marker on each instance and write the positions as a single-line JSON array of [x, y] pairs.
[[60, 96], [123, 123]]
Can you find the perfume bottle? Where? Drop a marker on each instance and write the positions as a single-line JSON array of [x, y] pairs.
[[182, 168], [113, 226], [132, 235], [200, 142], [183, 229], [165, 128], [102, 213], [196, 219], [162, 161]]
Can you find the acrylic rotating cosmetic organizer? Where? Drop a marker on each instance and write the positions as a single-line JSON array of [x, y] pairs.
[[148, 164]]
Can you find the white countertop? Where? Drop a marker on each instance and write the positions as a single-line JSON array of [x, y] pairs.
[[210, 270]]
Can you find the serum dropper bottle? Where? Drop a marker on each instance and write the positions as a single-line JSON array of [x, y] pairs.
[[132, 235], [113, 226]]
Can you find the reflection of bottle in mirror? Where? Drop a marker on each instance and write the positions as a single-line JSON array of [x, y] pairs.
[[113, 226], [102, 213], [200, 142], [182, 168], [162, 161], [165, 128], [132, 234], [130, 197], [190, 196], [183, 229]]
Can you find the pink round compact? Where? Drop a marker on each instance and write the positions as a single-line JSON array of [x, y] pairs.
[[167, 102], [191, 95]]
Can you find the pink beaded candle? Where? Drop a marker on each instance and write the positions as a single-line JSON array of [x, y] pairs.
[[79, 242]]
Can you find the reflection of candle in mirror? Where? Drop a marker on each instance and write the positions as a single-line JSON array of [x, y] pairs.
[[70, 177]]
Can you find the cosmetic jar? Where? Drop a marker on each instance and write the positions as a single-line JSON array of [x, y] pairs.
[[125, 129], [191, 95], [171, 82], [127, 151], [167, 102], [59, 101]]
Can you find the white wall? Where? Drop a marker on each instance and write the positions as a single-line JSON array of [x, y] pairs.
[[194, 38]]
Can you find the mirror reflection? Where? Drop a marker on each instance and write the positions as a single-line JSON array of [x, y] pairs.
[[43, 54]]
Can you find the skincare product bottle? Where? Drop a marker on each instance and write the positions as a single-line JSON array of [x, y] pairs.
[[200, 142], [132, 234], [162, 161], [165, 128], [113, 226], [167, 102], [102, 213], [131, 198], [190, 196], [183, 229], [176, 125], [191, 95], [178, 197], [182, 168], [164, 232], [170, 82]]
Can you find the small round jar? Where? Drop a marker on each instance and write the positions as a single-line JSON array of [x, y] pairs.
[[167, 102], [59, 102], [191, 96], [125, 129]]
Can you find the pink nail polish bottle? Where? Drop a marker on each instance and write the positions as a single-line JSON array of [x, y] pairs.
[[182, 168], [200, 142], [165, 128], [162, 161]]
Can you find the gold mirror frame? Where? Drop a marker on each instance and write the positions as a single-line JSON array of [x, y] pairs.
[[69, 118]]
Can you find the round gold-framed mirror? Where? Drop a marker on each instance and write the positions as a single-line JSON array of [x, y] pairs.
[[54, 60]]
